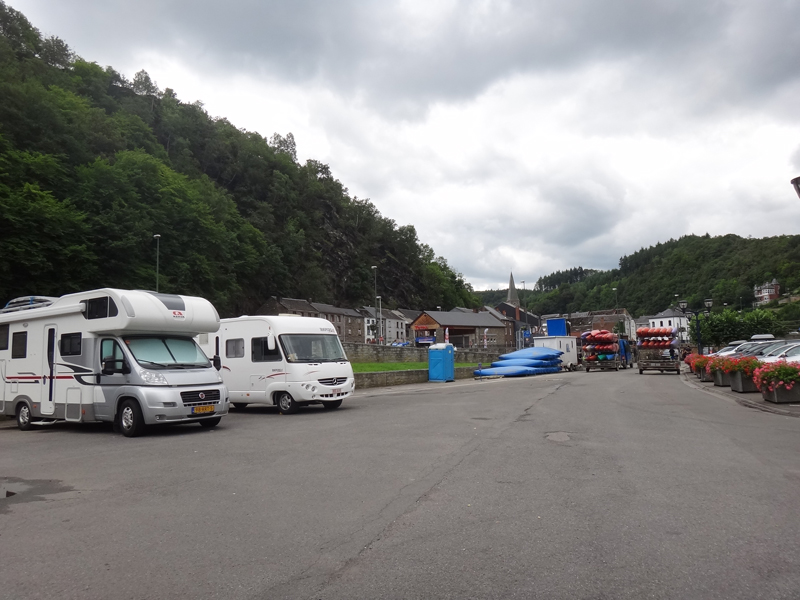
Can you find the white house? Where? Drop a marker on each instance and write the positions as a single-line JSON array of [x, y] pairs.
[[672, 318]]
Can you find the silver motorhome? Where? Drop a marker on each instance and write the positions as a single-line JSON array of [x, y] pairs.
[[121, 356]]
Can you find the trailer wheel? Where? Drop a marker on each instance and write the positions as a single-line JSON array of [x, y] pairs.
[[587, 369], [286, 404], [641, 371], [239, 405], [130, 420], [24, 417], [209, 423], [331, 405]]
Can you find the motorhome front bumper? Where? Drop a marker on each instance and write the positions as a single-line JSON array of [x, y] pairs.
[[175, 405], [316, 391]]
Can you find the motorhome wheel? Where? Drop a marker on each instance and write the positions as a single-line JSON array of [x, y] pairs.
[[332, 405], [130, 418], [24, 421], [286, 403], [208, 423]]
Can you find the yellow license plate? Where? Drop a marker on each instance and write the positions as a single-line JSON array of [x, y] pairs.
[[202, 409]]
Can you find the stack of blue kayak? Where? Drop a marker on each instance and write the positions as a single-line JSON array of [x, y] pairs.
[[528, 361]]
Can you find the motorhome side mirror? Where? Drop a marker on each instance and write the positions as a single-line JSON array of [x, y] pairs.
[[217, 362], [271, 342], [108, 366]]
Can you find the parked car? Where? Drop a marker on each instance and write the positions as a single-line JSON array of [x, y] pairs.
[[789, 353], [730, 348]]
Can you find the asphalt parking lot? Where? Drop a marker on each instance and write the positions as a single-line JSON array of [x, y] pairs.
[[574, 485]]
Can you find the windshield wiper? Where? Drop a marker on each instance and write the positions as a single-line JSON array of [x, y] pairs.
[[150, 362], [190, 365]]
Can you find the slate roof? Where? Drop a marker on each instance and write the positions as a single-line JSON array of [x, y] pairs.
[[335, 310], [670, 312], [459, 319], [297, 304], [409, 313]]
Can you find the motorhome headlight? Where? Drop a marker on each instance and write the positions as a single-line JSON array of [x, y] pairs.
[[219, 377], [152, 378]]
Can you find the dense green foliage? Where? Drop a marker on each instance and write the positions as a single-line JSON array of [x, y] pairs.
[[719, 328], [723, 268], [93, 165]]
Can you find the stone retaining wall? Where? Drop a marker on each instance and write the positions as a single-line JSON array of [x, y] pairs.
[[373, 353], [389, 378]]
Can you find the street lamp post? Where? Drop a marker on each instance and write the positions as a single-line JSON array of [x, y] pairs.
[[380, 321], [615, 297], [158, 252], [683, 304], [375, 273]]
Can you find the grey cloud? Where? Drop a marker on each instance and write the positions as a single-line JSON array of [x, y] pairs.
[[400, 63]]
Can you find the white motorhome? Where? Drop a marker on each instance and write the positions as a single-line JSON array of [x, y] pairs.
[[565, 343], [285, 360], [122, 356]]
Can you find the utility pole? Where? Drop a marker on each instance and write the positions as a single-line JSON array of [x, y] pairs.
[[158, 252]]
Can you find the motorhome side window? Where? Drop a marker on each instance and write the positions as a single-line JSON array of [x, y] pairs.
[[4, 337], [70, 344], [100, 308], [19, 344], [261, 351], [234, 348]]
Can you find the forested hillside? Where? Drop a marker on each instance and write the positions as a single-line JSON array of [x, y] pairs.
[[92, 165], [723, 268]]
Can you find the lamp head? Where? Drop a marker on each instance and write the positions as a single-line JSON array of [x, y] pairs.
[[708, 302], [683, 304], [157, 236]]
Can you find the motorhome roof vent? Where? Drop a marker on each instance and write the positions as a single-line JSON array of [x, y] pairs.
[[27, 302]]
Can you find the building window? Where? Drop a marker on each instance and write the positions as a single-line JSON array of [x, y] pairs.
[[234, 348]]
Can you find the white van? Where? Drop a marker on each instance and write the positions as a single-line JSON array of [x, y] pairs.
[[565, 343], [287, 361], [122, 356]]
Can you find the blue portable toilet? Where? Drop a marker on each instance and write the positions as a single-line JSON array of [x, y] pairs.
[[441, 362]]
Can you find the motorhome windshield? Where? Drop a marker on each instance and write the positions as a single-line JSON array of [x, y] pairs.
[[166, 352], [312, 348]]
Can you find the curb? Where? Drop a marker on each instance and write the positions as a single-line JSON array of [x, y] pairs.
[[743, 401]]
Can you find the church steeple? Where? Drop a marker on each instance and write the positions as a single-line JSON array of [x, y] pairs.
[[513, 297]]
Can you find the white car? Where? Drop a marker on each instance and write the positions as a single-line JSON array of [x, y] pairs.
[[789, 353]]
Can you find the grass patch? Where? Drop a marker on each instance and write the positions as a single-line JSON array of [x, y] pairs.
[[404, 366]]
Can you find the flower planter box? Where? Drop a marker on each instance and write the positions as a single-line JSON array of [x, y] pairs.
[[781, 395], [698, 372], [705, 376], [741, 383], [722, 379]]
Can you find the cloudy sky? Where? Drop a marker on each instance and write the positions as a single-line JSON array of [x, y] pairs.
[[515, 136]]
